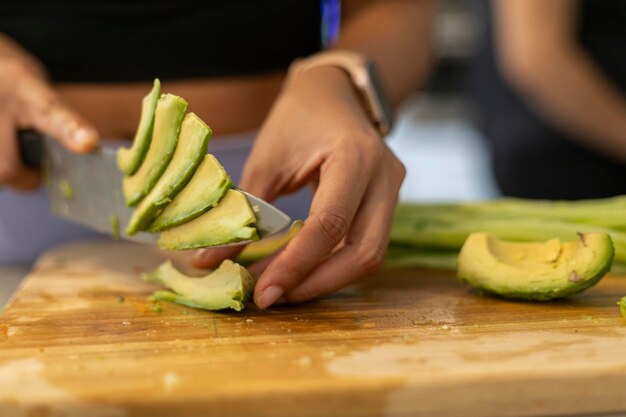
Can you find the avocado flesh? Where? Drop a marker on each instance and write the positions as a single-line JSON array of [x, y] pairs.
[[229, 286], [266, 247], [232, 220], [169, 114], [129, 159], [533, 270], [192, 145], [205, 189]]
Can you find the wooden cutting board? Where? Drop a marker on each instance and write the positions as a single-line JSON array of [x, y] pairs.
[[399, 343]]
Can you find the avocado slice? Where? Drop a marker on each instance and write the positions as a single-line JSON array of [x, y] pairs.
[[534, 270], [266, 247], [205, 189], [129, 159], [192, 146], [169, 114], [232, 220], [229, 286]]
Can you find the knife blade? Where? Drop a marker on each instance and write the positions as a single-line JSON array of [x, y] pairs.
[[87, 188]]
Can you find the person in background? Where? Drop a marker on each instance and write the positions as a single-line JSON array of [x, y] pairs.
[[77, 71], [551, 87]]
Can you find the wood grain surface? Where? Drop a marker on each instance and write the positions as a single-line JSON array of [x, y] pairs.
[[399, 343]]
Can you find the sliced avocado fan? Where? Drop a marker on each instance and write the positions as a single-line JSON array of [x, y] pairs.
[[232, 220], [229, 286], [169, 114], [192, 145], [178, 189], [129, 159], [205, 189], [534, 270]]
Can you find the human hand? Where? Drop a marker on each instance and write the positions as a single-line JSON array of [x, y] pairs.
[[318, 132], [27, 100]]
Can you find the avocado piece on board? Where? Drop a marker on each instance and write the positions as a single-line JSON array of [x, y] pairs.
[[193, 141], [169, 114], [129, 159], [205, 189], [534, 270], [229, 286], [232, 220]]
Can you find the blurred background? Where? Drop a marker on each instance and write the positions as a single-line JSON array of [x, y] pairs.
[[436, 134]]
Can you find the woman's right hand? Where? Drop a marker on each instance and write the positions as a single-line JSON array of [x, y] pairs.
[[28, 101]]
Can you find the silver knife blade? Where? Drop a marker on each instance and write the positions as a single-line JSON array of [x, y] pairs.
[[87, 189]]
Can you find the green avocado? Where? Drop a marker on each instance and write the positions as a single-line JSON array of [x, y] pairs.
[[129, 159], [622, 306], [229, 286], [207, 186], [268, 246], [169, 114], [192, 145], [534, 270], [232, 220]]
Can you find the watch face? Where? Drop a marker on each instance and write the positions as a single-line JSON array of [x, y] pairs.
[[385, 109]]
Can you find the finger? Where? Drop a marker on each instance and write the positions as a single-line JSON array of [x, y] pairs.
[[260, 180], [365, 247], [257, 268], [213, 257], [341, 189], [12, 171], [45, 112]]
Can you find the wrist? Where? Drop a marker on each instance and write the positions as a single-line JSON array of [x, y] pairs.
[[364, 80]]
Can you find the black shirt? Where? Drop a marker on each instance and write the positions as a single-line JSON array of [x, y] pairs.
[[133, 40], [532, 158]]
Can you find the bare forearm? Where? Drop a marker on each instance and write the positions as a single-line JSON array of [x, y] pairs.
[[576, 97], [395, 34], [558, 77]]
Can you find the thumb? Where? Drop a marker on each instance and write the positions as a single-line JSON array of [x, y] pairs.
[[213, 257], [260, 179]]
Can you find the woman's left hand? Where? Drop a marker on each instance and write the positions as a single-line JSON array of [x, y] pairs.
[[318, 132]]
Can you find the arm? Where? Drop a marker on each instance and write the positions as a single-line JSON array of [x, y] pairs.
[[394, 34], [540, 56], [28, 101], [319, 133]]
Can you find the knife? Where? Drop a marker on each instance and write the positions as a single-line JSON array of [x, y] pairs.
[[87, 188]]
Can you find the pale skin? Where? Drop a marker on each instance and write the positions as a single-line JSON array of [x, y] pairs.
[[316, 132], [541, 57]]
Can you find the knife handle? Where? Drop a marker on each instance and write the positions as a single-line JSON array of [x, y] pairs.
[[30, 143]]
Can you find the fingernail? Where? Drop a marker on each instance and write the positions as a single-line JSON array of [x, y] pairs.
[[269, 296], [84, 136]]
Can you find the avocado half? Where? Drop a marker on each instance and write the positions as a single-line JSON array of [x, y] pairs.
[[534, 270], [229, 286]]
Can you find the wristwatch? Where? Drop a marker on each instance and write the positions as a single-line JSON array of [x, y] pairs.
[[365, 79]]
